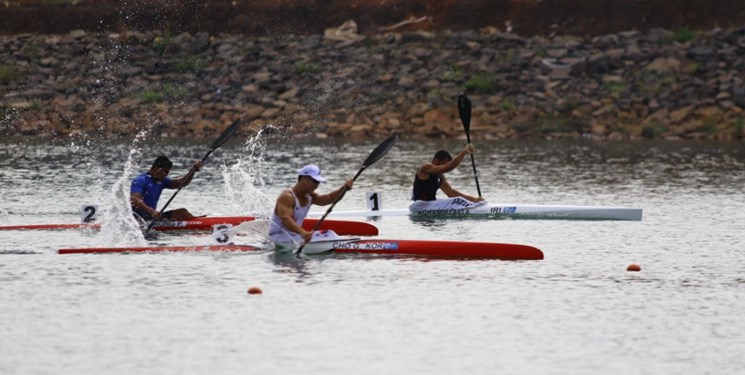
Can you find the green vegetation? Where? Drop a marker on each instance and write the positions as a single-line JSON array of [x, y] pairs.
[[8, 73], [187, 65], [684, 35], [167, 93], [740, 125], [161, 43], [653, 130], [506, 105], [32, 51], [307, 68], [481, 82]]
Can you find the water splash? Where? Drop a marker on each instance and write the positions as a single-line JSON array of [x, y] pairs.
[[119, 225], [244, 181]]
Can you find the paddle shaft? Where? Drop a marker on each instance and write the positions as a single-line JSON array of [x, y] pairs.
[[473, 164], [464, 110]]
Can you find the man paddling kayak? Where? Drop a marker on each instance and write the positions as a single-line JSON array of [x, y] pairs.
[[146, 188], [293, 205], [431, 176]]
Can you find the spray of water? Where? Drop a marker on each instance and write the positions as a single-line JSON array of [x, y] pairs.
[[118, 225], [244, 181]]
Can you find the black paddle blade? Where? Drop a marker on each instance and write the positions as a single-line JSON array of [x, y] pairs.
[[464, 109], [227, 134], [379, 151]]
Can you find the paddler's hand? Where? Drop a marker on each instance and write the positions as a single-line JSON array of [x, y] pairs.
[[469, 149], [156, 215], [479, 199], [349, 184], [307, 236], [198, 165]]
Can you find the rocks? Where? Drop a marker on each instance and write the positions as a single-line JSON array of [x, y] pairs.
[[345, 84]]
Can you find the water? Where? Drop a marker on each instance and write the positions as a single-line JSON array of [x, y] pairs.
[[577, 311]]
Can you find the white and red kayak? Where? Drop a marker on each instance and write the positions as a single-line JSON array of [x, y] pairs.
[[429, 248], [148, 249], [425, 248], [345, 227]]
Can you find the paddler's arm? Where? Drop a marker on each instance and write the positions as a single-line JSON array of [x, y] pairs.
[[185, 179], [325, 199], [451, 192], [429, 169], [284, 210], [136, 200]]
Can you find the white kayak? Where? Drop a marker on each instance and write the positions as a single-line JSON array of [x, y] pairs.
[[505, 210]]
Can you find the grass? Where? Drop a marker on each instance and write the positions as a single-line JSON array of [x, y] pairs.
[[481, 82], [740, 125], [684, 35], [307, 68], [161, 43], [167, 93], [187, 65], [8, 73], [553, 124]]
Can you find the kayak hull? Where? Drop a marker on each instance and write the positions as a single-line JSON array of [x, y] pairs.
[[429, 248], [508, 210], [150, 249], [343, 227]]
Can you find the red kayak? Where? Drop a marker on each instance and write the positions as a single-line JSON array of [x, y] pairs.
[[343, 227], [438, 249], [430, 248], [104, 250]]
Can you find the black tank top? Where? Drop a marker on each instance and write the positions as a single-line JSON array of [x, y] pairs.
[[425, 190]]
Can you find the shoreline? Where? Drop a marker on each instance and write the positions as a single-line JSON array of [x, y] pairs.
[[631, 85]]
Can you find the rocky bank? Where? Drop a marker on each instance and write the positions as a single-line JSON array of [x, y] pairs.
[[656, 84]]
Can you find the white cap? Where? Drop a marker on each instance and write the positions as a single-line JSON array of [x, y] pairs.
[[311, 171]]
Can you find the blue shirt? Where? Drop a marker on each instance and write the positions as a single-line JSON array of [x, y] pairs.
[[149, 189]]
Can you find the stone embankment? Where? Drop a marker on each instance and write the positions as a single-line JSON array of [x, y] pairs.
[[656, 84]]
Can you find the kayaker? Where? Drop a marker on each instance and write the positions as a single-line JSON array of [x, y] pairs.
[[293, 205], [431, 176], [146, 188]]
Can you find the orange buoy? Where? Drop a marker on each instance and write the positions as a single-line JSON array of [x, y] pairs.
[[254, 290], [633, 268]]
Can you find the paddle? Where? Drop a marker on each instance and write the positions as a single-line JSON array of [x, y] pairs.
[[374, 156], [219, 142], [464, 109]]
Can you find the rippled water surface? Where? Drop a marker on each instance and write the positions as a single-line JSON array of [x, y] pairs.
[[577, 311]]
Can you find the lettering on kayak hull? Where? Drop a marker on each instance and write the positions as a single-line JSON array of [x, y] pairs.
[[387, 245]]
